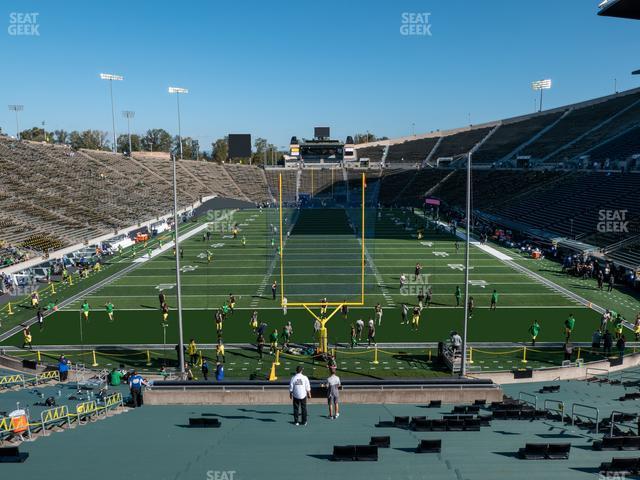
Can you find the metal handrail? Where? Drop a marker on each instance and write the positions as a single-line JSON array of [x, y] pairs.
[[54, 415], [561, 410], [573, 415], [596, 369], [535, 399], [613, 421]]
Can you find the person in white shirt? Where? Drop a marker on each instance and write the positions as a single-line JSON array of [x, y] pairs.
[[456, 341], [299, 391], [359, 328], [333, 394]]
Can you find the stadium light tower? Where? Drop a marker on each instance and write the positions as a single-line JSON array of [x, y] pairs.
[[129, 114], [111, 78], [17, 108], [177, 255], [541, 85], [178, 91]]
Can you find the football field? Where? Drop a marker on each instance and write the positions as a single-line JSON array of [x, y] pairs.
[[321, 262]]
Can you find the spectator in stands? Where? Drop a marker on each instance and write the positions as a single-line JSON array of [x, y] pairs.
[[620, 345], [63, 368], [299, 391], [135, 387]]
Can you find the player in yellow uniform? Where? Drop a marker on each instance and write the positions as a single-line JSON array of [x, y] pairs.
[[35, 300], [232, 303], [415, 318], [323, 306], [165, 313]]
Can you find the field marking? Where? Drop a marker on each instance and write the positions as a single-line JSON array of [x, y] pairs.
[[88, 291], [508, 261]]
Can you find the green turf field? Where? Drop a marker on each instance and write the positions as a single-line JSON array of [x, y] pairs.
[[247, 271]]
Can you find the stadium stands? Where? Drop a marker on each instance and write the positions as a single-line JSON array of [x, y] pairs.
[[511, 135], [411, 151], [373, 153], [52, 196], [579, 122], [461, 142]]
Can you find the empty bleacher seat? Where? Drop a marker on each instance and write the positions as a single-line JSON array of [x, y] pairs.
[[549, 451], [429, 446], [381, 442], [12, 455]]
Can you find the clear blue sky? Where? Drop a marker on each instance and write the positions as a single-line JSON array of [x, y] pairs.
[[277, 68]]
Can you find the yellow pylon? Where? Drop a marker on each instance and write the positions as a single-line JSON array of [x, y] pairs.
[[200, 362], [578, 357], [39, 359], [470, 361], [149, 358], [277, 362], [272, 374], [524, 355], [10, 311], [429, 355], [70, 280], [53, 288], [375, 355], [95, 363]]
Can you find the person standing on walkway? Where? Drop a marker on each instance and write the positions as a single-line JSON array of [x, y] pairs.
[[299, 391], [333, 393], [135, 387]]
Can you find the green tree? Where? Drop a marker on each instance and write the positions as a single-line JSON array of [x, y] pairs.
[[367, 137], [220, 150], [190, 148], [123, 143], [156, 140], [35, 134], [60, 136], [90, 139]]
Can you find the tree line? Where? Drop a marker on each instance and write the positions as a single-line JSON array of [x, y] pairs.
[[159, 140]]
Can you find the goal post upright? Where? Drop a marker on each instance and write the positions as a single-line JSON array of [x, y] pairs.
[[323, 344]]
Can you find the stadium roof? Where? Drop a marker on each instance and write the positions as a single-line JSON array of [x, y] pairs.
[[620, 8]]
